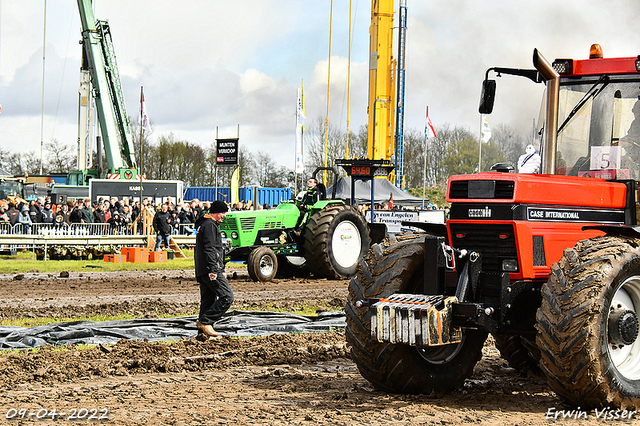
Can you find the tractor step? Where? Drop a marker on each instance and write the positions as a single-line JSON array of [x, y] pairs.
[[414, 319]]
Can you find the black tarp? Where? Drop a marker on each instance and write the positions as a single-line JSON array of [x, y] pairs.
[[383, 189], [234, 323]]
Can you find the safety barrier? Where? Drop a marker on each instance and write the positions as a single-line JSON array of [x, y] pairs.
[[184, 229], [55, 229], [39, 236], [60, 229]]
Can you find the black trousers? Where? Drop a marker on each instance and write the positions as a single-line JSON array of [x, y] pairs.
[[216, 298]]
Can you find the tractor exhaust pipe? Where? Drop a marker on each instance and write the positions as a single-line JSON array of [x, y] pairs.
[[553, 89]]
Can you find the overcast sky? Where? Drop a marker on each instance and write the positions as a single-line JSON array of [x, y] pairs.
[[209, 63]]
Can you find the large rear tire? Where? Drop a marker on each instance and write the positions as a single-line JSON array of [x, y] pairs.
[[588, 324], [398, 267], [262, 264], [335, 239]]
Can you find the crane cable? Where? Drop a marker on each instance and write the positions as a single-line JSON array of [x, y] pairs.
[[348, 80], [326, 129]]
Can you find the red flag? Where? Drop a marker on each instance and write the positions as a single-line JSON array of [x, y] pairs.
[[391, 202], [429, 126]]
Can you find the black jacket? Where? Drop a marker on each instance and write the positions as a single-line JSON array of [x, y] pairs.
[[76, 215], [186, 217], [35, 214], [208, 255], [47, 216], [98, 216], [162, 222], [13, 215]]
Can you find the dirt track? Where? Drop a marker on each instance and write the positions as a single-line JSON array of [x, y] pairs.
[[291, 379]]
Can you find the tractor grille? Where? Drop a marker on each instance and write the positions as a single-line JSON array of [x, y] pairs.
[[228, 224], [503, 189], [247, 223], [494, 242]]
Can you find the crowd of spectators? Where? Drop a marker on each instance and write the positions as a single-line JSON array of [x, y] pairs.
[[119, 214]]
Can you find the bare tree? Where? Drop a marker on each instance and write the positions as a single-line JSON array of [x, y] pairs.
[[24, 163], [246, 164], [511, 142], [269, 175], [142, 151], [60, 157], [318, 146], [413, 160], [4, 161], [174, 159]]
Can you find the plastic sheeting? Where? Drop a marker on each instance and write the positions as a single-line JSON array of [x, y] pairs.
[[234, 323]]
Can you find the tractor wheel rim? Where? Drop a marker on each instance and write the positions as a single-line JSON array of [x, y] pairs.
[[626, 358], [346, 244], [266, 265], [440, 354]]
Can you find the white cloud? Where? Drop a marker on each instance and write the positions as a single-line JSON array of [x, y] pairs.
[[210, 64]]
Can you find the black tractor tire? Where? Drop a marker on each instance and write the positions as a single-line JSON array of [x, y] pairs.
[[292, 267], [585, 362], [520, 352], [398, 267], [262, 264], [335, 239]]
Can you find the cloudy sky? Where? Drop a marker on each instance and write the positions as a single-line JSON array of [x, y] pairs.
[[208, 64]]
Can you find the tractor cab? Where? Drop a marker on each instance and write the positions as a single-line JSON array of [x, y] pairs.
[[598, 119]]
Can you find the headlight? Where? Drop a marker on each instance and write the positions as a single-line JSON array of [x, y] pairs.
[[223, 234], [510, 265], [234, 235], [563, 66]]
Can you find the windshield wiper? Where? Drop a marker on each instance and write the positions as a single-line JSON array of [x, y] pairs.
[[591, 93]]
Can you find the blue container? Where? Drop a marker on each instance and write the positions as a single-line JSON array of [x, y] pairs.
[[273, 196]]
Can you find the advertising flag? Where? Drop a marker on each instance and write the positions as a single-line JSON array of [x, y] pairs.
[[486, 130], [144, 117], [300, 118]]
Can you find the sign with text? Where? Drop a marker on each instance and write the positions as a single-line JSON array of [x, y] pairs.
[[227, 152], [393, 219], [157, 190]]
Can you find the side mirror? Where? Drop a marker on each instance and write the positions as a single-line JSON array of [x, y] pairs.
[[487, 97]]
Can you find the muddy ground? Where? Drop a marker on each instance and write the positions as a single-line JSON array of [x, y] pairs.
[[303, 379]]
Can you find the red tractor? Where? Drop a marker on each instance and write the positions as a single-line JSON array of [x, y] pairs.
[[547, 262]]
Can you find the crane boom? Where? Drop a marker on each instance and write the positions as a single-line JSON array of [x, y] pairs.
[[107, 92], [382, 67], [399, 137]]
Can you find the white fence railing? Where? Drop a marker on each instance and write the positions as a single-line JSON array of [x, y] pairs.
[[80, 229], [38, 237]]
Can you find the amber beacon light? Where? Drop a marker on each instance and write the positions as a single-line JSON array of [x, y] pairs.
[[595, 52]]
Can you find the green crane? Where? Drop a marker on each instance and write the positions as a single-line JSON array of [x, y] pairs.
[[100, 60]]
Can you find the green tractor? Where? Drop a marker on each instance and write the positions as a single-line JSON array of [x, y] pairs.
[[326, 238]]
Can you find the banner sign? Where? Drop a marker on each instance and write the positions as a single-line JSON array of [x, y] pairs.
[[227, 152]]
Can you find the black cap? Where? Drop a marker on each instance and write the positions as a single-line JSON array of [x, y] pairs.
[[218, 206]]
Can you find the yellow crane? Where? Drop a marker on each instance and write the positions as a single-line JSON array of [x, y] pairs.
[[382, 72]]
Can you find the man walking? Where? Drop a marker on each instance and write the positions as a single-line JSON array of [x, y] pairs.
[[216, 295], [162, 225]]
